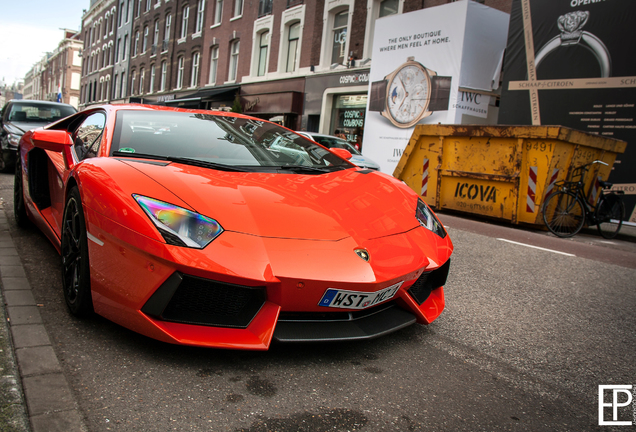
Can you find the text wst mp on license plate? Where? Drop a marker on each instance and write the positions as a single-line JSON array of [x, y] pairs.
[[336, 298]]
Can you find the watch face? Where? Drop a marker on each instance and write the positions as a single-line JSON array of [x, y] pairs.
[[408, 94]]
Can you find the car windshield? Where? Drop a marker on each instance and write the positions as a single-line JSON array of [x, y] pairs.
[[330, 142], [39, 113], [217, 139]]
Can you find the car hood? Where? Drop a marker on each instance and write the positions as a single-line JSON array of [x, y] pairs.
[[19, 128], [333, 206]]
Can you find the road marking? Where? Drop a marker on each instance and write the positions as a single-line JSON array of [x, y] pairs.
[[536, 247]]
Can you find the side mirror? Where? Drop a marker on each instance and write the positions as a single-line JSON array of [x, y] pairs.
[[58, 141], [345, 154]]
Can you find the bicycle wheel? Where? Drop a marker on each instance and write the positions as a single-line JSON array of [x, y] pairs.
[[563, 214], [610, 213]]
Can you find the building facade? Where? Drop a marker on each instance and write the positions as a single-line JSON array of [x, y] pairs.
[[302, 63]]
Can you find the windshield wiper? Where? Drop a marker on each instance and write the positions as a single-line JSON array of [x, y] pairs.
[[206, 164], [305, 168], [185, 161]]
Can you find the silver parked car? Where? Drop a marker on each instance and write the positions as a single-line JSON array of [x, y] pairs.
[[332, 141]]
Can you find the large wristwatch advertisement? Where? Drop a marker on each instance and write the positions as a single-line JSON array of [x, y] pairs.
[[410, 93]]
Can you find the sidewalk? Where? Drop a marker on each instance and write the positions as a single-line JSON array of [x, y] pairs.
[[34, 393]]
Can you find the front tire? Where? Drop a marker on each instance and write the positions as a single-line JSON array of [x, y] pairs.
[[563, 214], [75, 263], [19, 208], [610, 208]]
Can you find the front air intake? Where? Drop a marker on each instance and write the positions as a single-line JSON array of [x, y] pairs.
[[429, 281], [193, 300]]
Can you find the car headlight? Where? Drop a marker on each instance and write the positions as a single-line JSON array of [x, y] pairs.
[[179, 226], [13, 139], [428, 220]]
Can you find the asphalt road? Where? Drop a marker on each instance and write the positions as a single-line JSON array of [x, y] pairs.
[[527, 337]]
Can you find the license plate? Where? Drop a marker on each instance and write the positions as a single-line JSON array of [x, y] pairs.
[[344, 299]]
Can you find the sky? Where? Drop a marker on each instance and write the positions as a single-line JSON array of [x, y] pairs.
[[30, 28]]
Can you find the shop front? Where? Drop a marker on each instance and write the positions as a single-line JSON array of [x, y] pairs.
[[335, 104], [278, 101]]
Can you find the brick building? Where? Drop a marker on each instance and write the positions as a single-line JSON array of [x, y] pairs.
[[294, 61]]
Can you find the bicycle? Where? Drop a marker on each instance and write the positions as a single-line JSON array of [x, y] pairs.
[[566, 211]]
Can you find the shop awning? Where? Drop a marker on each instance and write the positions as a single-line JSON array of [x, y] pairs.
[[205, 95]]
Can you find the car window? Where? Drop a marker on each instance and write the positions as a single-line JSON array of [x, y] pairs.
[[216, 138], [88, 135], [38, 113], [330, 142]]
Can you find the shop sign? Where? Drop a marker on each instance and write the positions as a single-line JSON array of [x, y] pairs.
[[164, 98], [361, 78], [251, 104]]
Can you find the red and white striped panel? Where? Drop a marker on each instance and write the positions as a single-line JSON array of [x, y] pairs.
[[596, 186], [532, 189], [553, 179], [424, 177]]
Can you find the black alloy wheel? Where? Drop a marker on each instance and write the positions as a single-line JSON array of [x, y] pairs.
[[19, 209], [75, 264]]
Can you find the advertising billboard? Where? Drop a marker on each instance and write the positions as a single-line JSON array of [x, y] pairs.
[[435, 65], [570, 63]]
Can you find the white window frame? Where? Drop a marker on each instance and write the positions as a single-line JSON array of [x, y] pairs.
[[185, 16], [133, 78], [261, 26], [142, 75], [330, 11], [218, 12], [232, 72], [288, 18], [373, 13], [164, 76], [144, 45], [238, 9], [180, 68], [194, 76], [136, 43], [198, 28], [214, 65], [152, 78]]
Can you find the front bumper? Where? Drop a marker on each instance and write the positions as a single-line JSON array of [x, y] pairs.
[[244, 291]]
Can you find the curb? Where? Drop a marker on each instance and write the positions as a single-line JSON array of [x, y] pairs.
[[44, 395]]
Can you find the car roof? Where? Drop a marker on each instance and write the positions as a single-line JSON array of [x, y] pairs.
[[37, 102]]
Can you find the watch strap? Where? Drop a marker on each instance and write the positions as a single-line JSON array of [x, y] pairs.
[[377, 100], [440, 93]]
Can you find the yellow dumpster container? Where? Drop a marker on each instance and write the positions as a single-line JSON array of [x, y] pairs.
[[503, 172]]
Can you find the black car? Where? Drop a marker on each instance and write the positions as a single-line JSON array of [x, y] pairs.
[[19, 116]]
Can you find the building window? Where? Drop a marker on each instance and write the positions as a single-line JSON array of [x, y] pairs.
[[292, 47], [194, 79], [218, 12], [339, 37], [262, 53], [117, 50], [138, 11], [152, 79], [112, 21], [142, 74], [122, 12], [238, 8], [122, 87], [164, 73], [388, 7], [214, 60], [136, 43], [144, 45], [264, 7], [200, 10], [132, 82], [184, 21], [148, 5], [123, 48], [166, 36], [104, 56], [180, 64], [234, 57], [155, 40]]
